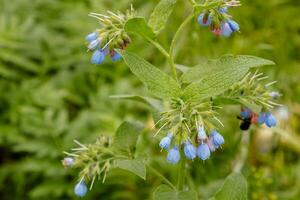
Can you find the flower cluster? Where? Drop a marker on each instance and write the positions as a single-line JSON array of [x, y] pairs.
[[219, 22], [94, 160], [109, 38], [205, 144]]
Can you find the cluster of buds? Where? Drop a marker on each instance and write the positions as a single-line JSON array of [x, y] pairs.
[[218, 19], [94, 160], [110, 37]]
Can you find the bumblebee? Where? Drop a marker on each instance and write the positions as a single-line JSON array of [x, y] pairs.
[[246, 122]]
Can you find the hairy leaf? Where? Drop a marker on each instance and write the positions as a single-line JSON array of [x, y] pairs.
[[157, 82], [125, 138], [224, 72], [234, 187], [138, 25], [164, 192], [201, 70], [136, 166], [160, 14]]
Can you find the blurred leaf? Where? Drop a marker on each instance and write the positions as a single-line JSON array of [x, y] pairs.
[[125, 138], [136, 166], [139, 26], [164, 192], [234, 187], [157, 82], [160, 14]]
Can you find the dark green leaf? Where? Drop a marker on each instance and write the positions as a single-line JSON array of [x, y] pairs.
[[157, 82], [138, 25], [160, 14]]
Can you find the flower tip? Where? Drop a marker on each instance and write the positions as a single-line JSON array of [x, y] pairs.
[[203, 151], [97, 57], [80, 189], [68, 162], [173, 156]]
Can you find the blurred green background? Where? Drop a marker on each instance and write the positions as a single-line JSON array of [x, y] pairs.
[[51, 94]]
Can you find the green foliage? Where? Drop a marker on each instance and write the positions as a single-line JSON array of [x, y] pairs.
[[160, 15], [51, 95]]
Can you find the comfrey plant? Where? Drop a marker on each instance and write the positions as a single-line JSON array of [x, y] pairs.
[[186, 108]]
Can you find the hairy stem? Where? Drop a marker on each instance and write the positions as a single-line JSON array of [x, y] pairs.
[[175, 38], [181, 172], [168, 57]]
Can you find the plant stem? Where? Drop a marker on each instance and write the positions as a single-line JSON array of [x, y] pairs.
[[168, 57], [181, 172], [174, 40], [171, 60], [157, 173]]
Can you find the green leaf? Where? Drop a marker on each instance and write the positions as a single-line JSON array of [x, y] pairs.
[[201, 70], [136, 166], [126, 137], [234, 188], [160, 14], [138, 25], [225, 71], [154, 103], [164, 192], [157, 82]]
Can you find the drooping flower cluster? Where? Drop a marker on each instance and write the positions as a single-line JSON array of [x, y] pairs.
[[94, 160], [202, 148], [112, 36], [219, 21]]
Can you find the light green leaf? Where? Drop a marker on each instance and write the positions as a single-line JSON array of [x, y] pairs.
[[136, 166], [201, 70], [154, 103], [164, 192], [225, 71], [160, 14], [234, 188], [157, 82], [125, 138], [138, 25]]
